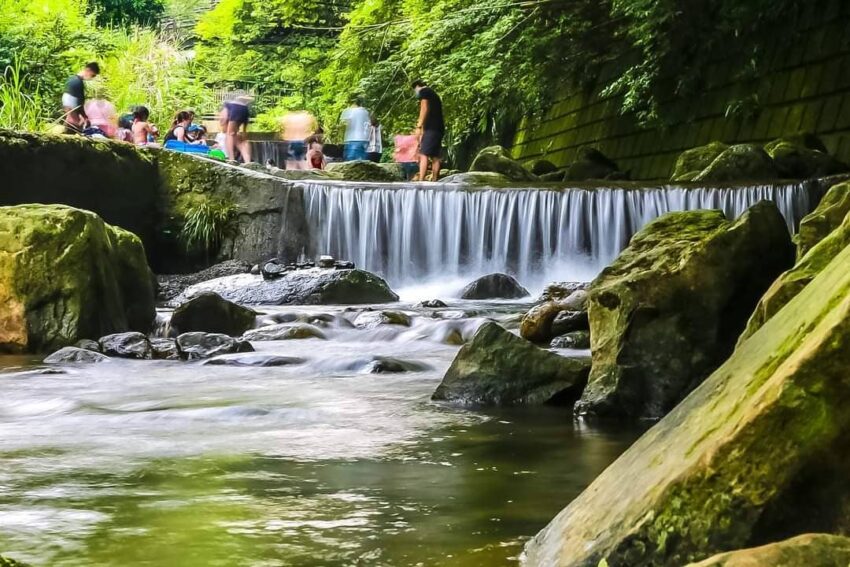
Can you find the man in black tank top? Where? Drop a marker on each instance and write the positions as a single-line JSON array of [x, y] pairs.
[[429, 129]]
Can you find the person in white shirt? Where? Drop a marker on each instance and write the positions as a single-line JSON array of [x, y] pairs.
[[355, 118], [375, 147]]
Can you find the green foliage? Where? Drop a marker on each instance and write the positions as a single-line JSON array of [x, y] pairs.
[[127, 12], [19, 109], [207, 223]]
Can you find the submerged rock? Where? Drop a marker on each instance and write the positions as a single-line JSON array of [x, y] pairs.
[[361, 170], [432, 304], [74, 354], [810, 550], [372, 319], [593, 164], [691, 163], [667, 312], [575, 339], [259, 359], [210, 313], [498, 368], [388, 365], [302, 287], [126, 345], [170, 286], [742, 162], [196, 346], [496, 159], [494, 286], [755, 453], [67, 275], [826, 217], [796, 161], [284, 332]]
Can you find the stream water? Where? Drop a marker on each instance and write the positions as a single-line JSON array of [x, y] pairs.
[[318, 463]]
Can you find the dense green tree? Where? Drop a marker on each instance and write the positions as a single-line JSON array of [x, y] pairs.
[[127, 12]]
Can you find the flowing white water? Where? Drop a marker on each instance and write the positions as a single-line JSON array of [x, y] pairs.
[[415, 234]]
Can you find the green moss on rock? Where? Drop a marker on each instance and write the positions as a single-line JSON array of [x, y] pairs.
[[742, 162], [809, 550], [65, 275], [361, 170], [497, 159], [796, 161], [667, 312], [826, 217], [757, 450], [690, 163]]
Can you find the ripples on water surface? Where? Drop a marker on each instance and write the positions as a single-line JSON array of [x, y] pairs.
[[178, 464]]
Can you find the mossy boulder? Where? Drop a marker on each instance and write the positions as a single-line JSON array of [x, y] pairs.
[[742, 162], [669, 309], [796, 161], [809, 550], [790, 283], [691, 163], [394, 169], [65, 275], [494, 286], [7, 562], [210, 313], [593, 164], [361, 170], [498, 368], [758, 451], [497, 159], [826, 217]]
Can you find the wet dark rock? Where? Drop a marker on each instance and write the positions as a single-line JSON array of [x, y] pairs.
[[126, 345], [196, 346], [255, 269], [494, 286], [259, 359], [302, 287], [388, 365], [74, 354], [326, 262], [164, 349], [498, 368], [431, 304], [344, 265], [88, 344], [210, 313], [496, 159], [568, 321], [372, 319], [552, 318], [542, 167], [561, 290], [593, 164], [575, 339], [273, 270], [170, 286], [284, 332], [554, 177]]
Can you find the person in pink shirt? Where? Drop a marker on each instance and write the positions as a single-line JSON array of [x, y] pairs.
[[406, 153]]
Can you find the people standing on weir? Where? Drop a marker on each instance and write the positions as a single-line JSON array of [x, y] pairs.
[[296, 127], [376, 145], [429, 129], [355, 118], [236, 120], [74, 98]]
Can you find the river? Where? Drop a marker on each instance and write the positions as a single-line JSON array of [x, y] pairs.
[[318, 463]]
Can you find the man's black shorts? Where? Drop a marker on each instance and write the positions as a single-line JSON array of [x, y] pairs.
[[237, 113], [431, 143]]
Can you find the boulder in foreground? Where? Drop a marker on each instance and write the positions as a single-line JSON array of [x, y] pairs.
[[669, 309], [829, 213], [498, 368], [755, 453], [65, 275], [302, 287], [494, 286], [809, 550], [209, 313]]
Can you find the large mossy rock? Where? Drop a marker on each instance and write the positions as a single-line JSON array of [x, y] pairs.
[[691, 163], [790, 283], [757, 452], [65, 275], [498, 368], [796, 161], [669, 309], [361, 170], [494, 286], [807, 550], [742, 162], [592, 164], [826, 217], [210, 313], [497, 159], [302, 287]]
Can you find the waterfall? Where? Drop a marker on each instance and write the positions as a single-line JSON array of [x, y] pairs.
[[411, 234], [264, 150]]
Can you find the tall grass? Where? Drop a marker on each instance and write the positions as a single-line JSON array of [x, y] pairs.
[[19, 109]]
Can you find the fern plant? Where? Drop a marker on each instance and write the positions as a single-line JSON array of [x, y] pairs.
[[207, 223]]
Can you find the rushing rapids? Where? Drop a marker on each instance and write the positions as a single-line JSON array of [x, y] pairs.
[[410, 234]]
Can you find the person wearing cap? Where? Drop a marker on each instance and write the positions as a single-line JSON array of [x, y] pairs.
[[236, 128]]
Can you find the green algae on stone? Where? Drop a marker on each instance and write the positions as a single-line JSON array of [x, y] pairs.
[[65, 275], [362, 170], [810, 550], [496, 159], [826, 217], [794, 160], [758, 449], [690, 163], [742, 162], [668, 310]]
